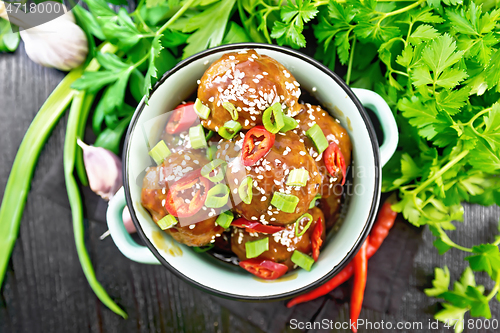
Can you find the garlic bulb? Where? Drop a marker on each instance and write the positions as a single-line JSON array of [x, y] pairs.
[[59, 43], [104, 170]]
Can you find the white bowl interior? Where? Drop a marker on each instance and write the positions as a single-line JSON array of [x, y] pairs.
[[217, 276]]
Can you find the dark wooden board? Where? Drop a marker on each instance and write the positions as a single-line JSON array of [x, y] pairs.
[[46, 291]]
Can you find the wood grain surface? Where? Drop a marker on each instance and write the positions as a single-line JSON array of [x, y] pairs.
[[45, 289]]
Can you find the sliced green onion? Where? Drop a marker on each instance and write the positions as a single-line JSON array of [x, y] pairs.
[[212, 166], [217, 196], [225, 219], [298, 177], [197, 137], [305, 216], [211, 152], [229, 129], [285, 202], [245, 190], [209, 135], [313, 201], [160, 152], [231, 109], [275, 111], [290, 124], [201, 110], [256, 248], [203, 249], [316, 135], [302, 260], [167, 222]]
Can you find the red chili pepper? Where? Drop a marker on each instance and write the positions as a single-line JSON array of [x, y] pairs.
[[380, 230], [256, 226], [265, 269], [316, 240], [384, 223], [360, 262], [334, 161], [324, 289], [182, 118], [175, 202], [258, 133]]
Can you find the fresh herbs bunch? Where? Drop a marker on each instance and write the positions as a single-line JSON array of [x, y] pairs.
[[436, 62]]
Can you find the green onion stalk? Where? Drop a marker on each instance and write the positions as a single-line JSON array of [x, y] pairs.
[[20, 177]]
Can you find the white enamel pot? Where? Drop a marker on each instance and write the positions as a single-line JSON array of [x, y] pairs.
[[222, 279]]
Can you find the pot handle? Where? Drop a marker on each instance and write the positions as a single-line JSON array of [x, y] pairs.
[[384, 114], [123, 241]]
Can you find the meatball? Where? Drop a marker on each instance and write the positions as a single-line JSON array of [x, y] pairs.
[[330, 206], [251, 82], [333, 132], [269, 175], [154, 193], [281, 244]]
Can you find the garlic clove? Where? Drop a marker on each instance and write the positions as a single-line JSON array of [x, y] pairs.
[[127, 221], [104, 170], [59, 43]]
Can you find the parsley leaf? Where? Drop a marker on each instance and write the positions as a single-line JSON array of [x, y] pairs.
[[440, 283], [152, 72], [294, 15], [207, 27], [486, 258]]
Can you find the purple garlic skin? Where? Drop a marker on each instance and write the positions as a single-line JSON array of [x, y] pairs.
[[127, 221], [104, 170]]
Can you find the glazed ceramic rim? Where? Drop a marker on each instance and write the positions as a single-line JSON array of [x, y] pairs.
[[375, 148]]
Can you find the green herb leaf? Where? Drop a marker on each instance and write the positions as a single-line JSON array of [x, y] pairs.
[[486, 259]]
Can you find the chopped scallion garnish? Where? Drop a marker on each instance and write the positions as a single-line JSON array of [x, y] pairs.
[[160, 152], [209, 135], [290, 124], [302, 260], [203, 249], [274, 111], [231, 109], [256, 248], [211, 152], [214, 166], [197, 137], [217, 196], [225, 219], [167, 222], [297, 177], [318, 138], [285, 202], [245, 190], [313, 201], [201, 110], [305, 216], [229, 130]]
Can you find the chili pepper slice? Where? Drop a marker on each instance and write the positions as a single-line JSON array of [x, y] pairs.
[[360, 262], [264, 269], [316, 240], [256, 226], [334, 161], [258, 133], [182, 118], [175, 202]]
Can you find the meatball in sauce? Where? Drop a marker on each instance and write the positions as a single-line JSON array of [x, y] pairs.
[[251, 82]]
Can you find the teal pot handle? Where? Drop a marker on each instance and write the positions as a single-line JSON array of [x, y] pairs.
[[384, 114], [121, 237]]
